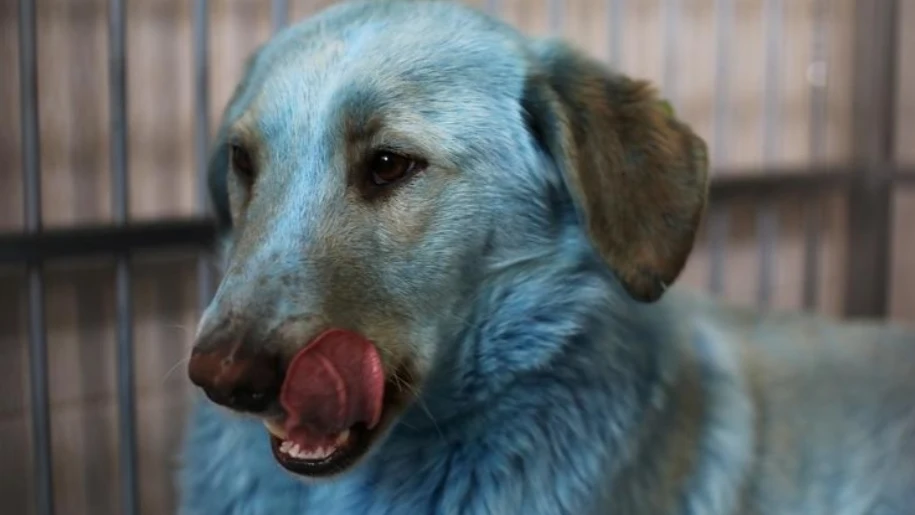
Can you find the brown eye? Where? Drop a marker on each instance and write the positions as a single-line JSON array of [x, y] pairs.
[[388, 167], [242, 164]]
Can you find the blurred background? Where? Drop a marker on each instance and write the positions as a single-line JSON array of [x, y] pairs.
[[108, 107]]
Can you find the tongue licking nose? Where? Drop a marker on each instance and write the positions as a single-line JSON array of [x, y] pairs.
[[335, 382]]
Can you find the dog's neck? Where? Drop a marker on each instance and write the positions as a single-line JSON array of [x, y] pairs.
[[553, 370]]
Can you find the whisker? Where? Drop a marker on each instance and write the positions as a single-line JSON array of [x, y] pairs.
[[412, 389], [182, 361]]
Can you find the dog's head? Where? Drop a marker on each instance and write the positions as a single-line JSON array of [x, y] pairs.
[[372, 164]]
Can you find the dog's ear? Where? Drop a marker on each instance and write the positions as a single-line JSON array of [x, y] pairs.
[[638, 176]]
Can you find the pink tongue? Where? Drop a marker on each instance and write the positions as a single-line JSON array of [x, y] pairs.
[[335, 382]]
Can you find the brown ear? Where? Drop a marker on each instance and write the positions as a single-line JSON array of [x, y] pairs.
[[639, 177]]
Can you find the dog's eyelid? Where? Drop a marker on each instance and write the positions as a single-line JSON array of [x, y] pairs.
[[401, 149]]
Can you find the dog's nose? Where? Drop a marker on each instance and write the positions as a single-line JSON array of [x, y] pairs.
[[236, 378]]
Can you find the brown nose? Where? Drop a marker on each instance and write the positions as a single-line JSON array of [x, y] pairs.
[[236, 378]]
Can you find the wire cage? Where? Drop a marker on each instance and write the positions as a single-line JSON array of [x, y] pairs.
[[105, 238]]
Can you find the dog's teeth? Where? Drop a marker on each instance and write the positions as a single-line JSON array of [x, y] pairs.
[[293, 449], [317, 454], [290, 448], [276, 429]]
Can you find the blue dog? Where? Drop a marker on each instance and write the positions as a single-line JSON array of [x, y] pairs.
[[448, 250]]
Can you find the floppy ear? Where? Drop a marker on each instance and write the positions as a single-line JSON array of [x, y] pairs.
[[638, 176]]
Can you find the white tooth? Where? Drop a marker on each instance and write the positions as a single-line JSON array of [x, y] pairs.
[[317, 454], [276, 429], [284, 447], [342, 437], [294, 450]]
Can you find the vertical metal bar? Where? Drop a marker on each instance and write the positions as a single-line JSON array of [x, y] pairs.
[[767, 216], [615, 12], [202, 136], [671, 10], [280, 14], [31, 181], [117, 70], [870, 197], [818, 79], [556, 11], [719, 222]]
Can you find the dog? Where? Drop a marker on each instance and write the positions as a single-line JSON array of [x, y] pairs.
[[449, 256]]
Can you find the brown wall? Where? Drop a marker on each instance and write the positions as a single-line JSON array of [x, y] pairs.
[[75, 144]]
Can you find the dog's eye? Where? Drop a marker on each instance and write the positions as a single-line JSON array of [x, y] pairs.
[[388, 167], [242, 164]]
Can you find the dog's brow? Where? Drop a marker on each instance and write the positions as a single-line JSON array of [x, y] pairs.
[[360, 124]]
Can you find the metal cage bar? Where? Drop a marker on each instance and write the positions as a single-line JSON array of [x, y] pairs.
[[767, 214], [876, 55], [556, 10], [615, 12], [818, 70], [279, 14], [718, 225], [31, 181], [202, 136], [126, 395], [669, 82]]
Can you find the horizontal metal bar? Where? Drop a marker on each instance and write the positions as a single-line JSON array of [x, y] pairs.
[[106, 240], [759, 184], [906, 179], [200, 233], [727, 186]]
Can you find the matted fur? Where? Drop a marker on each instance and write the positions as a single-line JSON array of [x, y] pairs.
[[525, 280]]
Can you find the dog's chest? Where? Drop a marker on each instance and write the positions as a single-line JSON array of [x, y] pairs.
[[388, 486]]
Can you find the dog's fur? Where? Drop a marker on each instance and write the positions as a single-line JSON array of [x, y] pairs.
[[523, 279]]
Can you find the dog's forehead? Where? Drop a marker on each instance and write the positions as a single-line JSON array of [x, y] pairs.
[[430, 58]]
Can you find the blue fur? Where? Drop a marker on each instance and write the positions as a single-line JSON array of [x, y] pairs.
[[527, 412], [543, 387], [537, 390]]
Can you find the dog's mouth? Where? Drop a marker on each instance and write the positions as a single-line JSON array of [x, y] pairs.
[[326, 456], [336, 402]]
